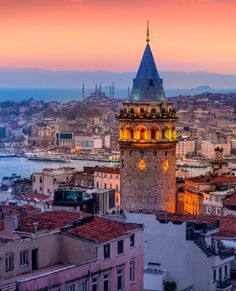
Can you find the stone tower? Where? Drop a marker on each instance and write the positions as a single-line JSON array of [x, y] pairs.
[[147, 138]]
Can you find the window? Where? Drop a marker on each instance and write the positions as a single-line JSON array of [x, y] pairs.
[[218, 211], [120, 247], [226, 270], [41, 180], [120, 280], [9, 262], [105, 185], [110, 186], [106, 282], [106, 250], [83, 285], [132, 271], [97, 185], [95, 284], [70, 288], [117, 188], [208, 209], [24, 261], [132, 240]]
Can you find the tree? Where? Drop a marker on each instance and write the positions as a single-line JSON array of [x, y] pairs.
[[170, 286]]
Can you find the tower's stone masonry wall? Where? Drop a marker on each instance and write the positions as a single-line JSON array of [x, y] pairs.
[[154, 187]]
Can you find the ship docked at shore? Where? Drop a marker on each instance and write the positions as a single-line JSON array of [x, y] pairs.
[[43, 157]]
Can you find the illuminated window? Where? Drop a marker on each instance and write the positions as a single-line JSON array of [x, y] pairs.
[[141, 165], [166, 165]]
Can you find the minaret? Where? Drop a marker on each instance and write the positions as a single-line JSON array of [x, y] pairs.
[[147, 138]]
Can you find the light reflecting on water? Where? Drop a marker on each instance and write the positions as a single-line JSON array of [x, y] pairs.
[[24, 167]]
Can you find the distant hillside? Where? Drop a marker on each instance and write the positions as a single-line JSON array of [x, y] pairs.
[[35, 78]]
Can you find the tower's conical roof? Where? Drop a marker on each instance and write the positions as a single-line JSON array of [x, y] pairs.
[[147, 85]]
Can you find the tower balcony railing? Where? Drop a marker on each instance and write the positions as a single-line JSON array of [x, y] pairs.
[[147, 140], [163, 115]]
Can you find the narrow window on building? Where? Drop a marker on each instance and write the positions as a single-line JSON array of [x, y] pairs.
[[106, 250], [83, 285], [132, 271], [97, 185], [214, 275], [105, 185], [71, 287], [226, 270], [122, 163], [9, 262], [95, 284], [41, 180], [218, 211], [120, 280], [120, 247], [165, 153], [110, 186], [117, 188], [208, 209], [24, 258], [106, 282], [132, 240], [34, 179]]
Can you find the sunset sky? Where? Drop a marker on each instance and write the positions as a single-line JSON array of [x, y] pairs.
[[186, 35]]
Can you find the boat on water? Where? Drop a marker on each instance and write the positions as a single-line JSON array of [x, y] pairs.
[[7, 155], [48, 158]]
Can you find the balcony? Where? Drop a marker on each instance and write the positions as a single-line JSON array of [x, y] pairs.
[[224, 285]]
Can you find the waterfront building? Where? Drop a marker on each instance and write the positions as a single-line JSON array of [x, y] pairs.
[[86, 252], [147, 139], [22, 186], [65, 140], [50, 180]]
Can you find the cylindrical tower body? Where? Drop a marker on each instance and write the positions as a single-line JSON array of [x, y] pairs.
[[147, 138]]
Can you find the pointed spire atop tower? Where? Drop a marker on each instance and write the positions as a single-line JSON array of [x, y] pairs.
[[147, 34], [147, 85]]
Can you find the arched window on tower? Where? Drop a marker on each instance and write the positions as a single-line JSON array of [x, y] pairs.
[[173, 133], [121, 133], [166, 133], [142, 134], [129, 132], [132, 111], [155, 133]]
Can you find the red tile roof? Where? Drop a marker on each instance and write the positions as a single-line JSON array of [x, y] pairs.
[[15, 210], [224, 179], [227, 224], [188, 218], [102, 230], [49, 220], [230, 201], [200, 179], [108, 170], [33, 197]]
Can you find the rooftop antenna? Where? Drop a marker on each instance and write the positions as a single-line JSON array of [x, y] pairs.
[[147, 34]]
